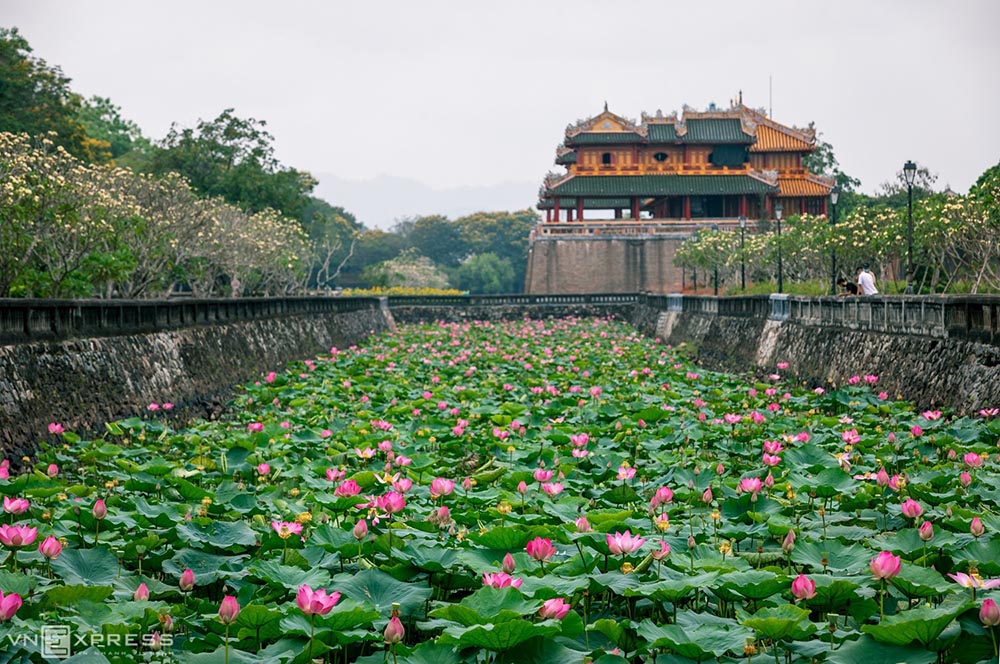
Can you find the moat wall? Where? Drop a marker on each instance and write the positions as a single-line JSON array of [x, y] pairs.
[[84, 382], [84, 364]]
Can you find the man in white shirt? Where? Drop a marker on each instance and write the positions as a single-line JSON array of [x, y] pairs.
[[866, 282]]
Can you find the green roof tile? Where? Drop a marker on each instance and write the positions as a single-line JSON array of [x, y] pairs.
[[609, 138], [568, 158], [716, 131], [662, 133], [569, 203], [661, 185]]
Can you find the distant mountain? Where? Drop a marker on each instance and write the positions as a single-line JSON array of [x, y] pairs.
[[379, 202]]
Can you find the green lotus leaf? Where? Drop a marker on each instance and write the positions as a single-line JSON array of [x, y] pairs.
[[96, 567], [498, 637], [921, 625], [375, 587], [778, 622]]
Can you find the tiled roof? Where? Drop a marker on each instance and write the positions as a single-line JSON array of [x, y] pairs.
[[569, 203], [662, 133], [568, 158], [715, 131], [770, 139], [660, 185], [801, 187], [604, 138]]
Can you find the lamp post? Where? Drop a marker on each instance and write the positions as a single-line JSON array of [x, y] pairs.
[[743, 270], [694, 268], [715, 268], [778, 209], [909, 173], [834, 196]]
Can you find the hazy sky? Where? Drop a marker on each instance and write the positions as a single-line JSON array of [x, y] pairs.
[[469, 93]]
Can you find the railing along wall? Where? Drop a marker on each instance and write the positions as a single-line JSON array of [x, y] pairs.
[[971, 317], [29, 320], [510, 300]]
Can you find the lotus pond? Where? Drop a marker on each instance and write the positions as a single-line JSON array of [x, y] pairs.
[[560, 491]]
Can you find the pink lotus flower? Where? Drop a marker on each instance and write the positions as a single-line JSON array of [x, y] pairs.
[[621, 544], [926, 531], [360, 530], [394, 631], [507, 565], [773, 446], [912, 509], [441, 487], [625, 473], [263, 469], [402, 485], [315, 602], [167, 406], [976, 528], [52, 470], [50, 548], [500, 580], [554, 609], [916, 431], [885, 565], [335, 474], [17, 535], [365, 454], [803, 587], [771, 460], [965, 479], [100, 510], [580, 439], [255, 427], [229, 609], [664, 495], [662, 552], [582, 525], [187, 581], [732, 418], [931, 415], [751, 485], [391, 503], [55, 428], [974, 581], [522, 488], [542, 475], [552, 489], [989, 613], [9, 604], [788, 544], [141, 593], [15, 505], [347, 489], [972, 460], [706, 497], [286, 529], [540, 549], [882, 477], [851, 437]]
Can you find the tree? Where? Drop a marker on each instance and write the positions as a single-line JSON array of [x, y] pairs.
[[408, 269], [103, 122], [233, 158], [35, 98], [486, 274], [332, 236], [822, 161], [439, 239], [504, 234]]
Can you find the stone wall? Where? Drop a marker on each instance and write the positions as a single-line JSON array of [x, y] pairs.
[[931, 366], [452, 314], [604, 264], [83, 383]]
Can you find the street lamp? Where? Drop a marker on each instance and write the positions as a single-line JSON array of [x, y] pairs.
[[909, 173], [778, 209], [834, 196], [715, 267], [743, 270]]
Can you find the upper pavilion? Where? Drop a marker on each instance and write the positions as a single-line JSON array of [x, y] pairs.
[[703, 165]]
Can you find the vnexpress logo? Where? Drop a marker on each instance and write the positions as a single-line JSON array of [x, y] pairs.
[[57, 641]]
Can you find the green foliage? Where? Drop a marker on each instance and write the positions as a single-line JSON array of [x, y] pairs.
[[103, 122], [487, 274]]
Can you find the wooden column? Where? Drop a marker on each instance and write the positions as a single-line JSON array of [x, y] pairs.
[[826, 212], [635, 208], [687, 208], [802, 205], [548, 216], [579, 208], [618, 213], [555, 209], [743, 205], [569, 214]]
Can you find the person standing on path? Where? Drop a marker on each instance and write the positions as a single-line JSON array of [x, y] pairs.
[[866, 281]]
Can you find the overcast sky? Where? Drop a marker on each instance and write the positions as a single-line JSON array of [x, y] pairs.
[[469, 93]]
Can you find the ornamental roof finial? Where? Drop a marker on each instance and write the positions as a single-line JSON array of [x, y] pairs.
[[605, 105]]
